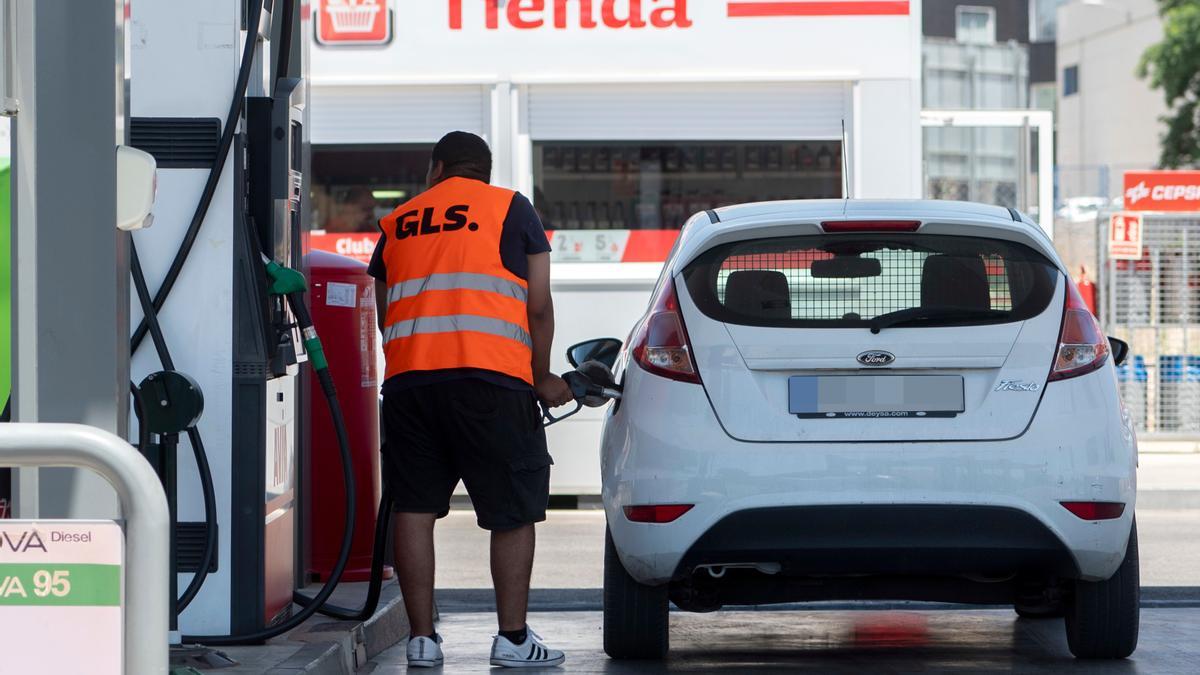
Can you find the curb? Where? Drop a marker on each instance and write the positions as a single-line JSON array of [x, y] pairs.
[[325, 646]]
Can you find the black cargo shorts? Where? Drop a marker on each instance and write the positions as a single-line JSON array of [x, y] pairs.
[[489, 436]]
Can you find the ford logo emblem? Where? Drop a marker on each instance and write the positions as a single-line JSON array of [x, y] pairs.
[[876, 358]]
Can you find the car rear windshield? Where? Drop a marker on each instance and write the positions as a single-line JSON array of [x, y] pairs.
[[871, 281]]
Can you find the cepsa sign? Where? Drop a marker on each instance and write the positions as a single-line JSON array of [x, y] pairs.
[[353, 22], [1162, 190]]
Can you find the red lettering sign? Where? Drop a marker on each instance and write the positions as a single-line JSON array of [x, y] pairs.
[[1162, 190], [585, 14], [1125, 237], [353, 22]]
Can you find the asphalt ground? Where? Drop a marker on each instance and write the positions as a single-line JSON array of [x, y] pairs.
[[975, 641], [824, 637]]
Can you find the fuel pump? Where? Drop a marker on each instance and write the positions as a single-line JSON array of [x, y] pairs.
[[226, 128]]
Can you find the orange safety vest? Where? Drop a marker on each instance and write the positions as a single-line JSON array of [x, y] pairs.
[[451, 301]]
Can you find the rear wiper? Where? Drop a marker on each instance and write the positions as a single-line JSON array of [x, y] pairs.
[[933, 314]]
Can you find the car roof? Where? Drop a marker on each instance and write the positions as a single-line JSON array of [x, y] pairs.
[[800, 216], [836, 209]]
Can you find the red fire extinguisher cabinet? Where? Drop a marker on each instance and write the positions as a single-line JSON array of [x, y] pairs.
[[342, 295]]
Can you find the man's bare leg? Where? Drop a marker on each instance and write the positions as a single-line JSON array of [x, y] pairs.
[[413, 543], [512, 564]]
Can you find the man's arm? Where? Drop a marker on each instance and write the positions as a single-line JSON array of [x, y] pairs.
[[551, 389], [381, 303]]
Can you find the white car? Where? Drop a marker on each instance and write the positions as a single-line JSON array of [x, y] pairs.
[[868, 400]]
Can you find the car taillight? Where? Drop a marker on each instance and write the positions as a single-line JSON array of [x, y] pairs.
[[1082, 346], [1095, 510], [656, 513], [661, 345]]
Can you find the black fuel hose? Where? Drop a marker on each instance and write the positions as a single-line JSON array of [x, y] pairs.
[[383, 522], [284, 61], [194, 439], [214, 173]]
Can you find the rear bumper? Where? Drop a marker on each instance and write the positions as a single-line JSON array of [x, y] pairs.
[[841, 508], [891, 539]]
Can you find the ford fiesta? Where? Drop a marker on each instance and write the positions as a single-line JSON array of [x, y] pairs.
[[868, 400]]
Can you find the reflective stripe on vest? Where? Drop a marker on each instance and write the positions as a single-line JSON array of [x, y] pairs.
[[460, 322], [457, 281]]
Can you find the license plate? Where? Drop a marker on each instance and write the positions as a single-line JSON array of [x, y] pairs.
[[867, 396]]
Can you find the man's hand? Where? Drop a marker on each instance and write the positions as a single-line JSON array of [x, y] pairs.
[[553, 390]]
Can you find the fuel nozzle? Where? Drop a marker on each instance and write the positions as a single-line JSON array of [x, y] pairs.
[[291, 284]]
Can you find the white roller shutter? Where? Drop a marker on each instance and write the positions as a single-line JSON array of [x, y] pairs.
[[754, 111], [399, 114]]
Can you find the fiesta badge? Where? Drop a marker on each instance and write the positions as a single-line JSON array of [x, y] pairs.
[[876, 358]]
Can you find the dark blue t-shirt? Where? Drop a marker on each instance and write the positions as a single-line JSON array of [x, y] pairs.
[[522, 235]]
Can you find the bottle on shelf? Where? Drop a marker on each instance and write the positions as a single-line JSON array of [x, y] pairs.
[[589, 217], [604, 217], [791, 157], [729, 158], [552, 158], [619, 222], [572, 219], [824, 158], [584, 159], [567, 162], [710, 158], [774, 158], [807, 158], [602, 159], [754, 158]]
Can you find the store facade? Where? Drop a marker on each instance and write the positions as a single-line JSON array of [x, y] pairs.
[[619, 119]]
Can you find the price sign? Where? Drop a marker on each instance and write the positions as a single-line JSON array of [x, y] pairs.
[[1125, 237], [61, 596], [588, 245]]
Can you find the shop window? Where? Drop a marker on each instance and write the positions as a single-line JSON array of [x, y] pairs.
[[656, 186], [1071, 80], [353, 187], [975, 25]]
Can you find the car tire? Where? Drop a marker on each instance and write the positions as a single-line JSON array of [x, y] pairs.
[[635, 615], [1103, 616]]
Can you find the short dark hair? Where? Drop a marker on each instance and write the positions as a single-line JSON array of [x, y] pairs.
[[464, 154]]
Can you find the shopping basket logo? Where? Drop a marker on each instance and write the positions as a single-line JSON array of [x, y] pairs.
[[353, 22]]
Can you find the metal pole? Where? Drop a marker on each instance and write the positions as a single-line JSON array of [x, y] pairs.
[[146, 523], [70, 310]]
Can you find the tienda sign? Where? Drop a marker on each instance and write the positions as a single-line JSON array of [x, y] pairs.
[[586, 14], [635, 14], [353, 22], [1162, 190]]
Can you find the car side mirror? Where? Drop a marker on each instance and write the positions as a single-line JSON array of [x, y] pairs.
[[1120, 350], [604, 350]]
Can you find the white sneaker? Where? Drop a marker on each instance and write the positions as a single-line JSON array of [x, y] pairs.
[[425, 652], [530, 654]]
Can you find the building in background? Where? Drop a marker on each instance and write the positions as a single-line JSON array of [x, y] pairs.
[[977, 55], [619, 120], [1108, 118]]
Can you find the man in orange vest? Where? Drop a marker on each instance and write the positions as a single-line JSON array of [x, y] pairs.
[[463, 294]]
